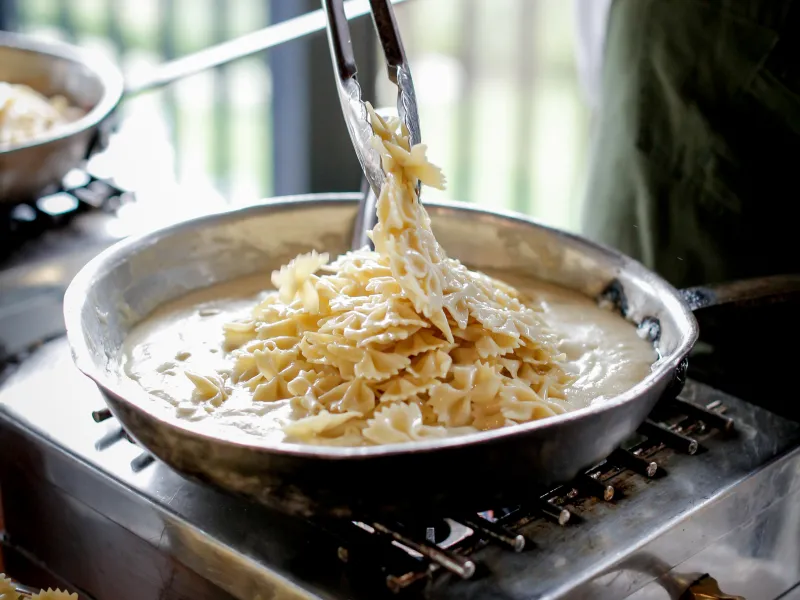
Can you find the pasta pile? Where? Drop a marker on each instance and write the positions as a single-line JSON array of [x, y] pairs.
[[26, 115], [8, 592], [395, 345]]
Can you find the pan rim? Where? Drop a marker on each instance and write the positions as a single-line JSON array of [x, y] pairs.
[[663, 368], [108, 74]]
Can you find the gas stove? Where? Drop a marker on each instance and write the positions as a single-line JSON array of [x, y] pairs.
[[708, 491], [705, 496]]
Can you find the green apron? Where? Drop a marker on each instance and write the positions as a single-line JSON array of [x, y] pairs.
[[695, 166]]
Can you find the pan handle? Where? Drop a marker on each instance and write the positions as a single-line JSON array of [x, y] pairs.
[[746, 293], [736, 315], [241, 47]]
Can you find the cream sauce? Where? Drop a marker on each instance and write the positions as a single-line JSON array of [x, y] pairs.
[[604, 352]]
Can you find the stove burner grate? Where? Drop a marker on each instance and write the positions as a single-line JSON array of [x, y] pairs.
[[407, 554], [80, 192]]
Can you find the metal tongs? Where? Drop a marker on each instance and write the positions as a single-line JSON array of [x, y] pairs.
[[354, 109]]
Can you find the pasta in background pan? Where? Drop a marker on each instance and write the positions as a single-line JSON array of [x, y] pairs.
[[26, 115], [395, 345]]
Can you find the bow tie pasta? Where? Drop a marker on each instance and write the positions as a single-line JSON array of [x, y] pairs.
[[395, 345]]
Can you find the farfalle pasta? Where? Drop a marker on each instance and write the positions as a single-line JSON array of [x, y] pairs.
[[8, 591], [394, 345]]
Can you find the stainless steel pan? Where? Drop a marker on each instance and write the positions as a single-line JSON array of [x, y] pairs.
[[487, 469], [87, 80], [96, 85]]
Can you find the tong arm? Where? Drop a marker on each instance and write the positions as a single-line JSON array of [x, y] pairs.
[[341, 47], [353, 108], [397, 65]]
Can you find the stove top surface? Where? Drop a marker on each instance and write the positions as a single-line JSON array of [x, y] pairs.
[[608, 550]]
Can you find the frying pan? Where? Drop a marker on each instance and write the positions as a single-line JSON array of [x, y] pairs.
[[96, 85], [475, 472]]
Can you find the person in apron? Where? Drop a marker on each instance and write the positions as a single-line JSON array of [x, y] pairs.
[[695, 165], [695, 158]]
